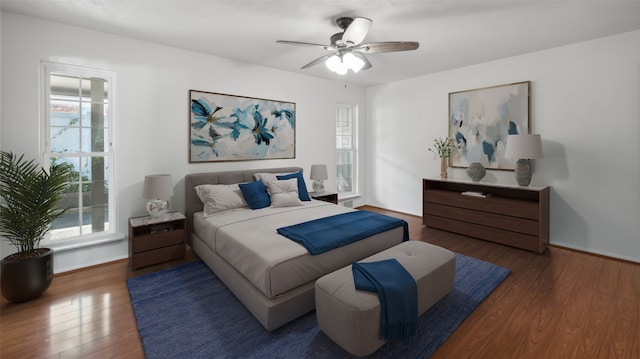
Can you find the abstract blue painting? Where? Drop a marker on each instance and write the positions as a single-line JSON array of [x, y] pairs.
[[235, 128], [481, 119]]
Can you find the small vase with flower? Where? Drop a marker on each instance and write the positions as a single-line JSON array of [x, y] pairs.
[[444, 148]]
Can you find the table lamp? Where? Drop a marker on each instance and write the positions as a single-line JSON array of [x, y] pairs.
[[318, 175], [524, 148], [157, 189]]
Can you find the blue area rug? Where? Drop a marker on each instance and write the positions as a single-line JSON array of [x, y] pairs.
[[186, 312]]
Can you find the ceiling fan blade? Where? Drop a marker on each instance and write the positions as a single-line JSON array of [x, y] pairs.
[[317, 61], [357, 31], [389, 46], [367, 64], [308, 44]]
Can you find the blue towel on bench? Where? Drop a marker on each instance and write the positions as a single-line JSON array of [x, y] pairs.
[[324, 234], [397, 292]]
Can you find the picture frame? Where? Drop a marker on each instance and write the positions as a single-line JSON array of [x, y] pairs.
[[225, 127], [481, 119]]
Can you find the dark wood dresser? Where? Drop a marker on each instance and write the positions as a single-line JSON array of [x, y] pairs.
[[510, 215]]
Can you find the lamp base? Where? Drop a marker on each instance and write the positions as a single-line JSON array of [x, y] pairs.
[[523, 172], [157, 207], [318, 186]]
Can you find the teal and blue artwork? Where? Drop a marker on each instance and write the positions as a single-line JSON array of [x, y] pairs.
[[481, 119], [235, 128]]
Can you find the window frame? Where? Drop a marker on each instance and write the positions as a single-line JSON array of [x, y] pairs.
[[52, 68], [353, 111]]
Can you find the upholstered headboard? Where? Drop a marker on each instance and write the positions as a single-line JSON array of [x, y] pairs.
[[192, 203]]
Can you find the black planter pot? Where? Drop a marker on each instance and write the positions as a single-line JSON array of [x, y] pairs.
[[26, 279]]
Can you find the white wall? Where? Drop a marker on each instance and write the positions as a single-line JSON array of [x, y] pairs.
[[153, 84], [1, 101], [585, 104]]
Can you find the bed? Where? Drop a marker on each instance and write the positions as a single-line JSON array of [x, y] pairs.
[[271, 275]]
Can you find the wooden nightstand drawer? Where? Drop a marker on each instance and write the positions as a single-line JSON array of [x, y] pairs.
[[147, 242], [147, 258]]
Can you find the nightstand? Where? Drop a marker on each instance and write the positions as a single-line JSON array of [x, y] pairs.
[[153, 241], [325, 196]]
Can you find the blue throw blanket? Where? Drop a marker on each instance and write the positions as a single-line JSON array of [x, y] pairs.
[[397, 292], [324, 234]]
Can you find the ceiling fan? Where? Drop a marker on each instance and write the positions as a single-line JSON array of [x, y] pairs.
[[347, 50]]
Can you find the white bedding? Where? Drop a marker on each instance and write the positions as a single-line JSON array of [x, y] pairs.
[[247, 239]]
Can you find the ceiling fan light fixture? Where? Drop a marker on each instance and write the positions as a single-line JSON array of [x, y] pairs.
[[335, 64], [352, 62], [347, 52], [342, 69], [341, 64]]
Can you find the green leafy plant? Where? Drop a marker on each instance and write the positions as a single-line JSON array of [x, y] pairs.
[[29, 198], [444, 147]]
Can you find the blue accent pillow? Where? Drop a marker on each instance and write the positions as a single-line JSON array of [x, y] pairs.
[[302, 187], [256, 195]]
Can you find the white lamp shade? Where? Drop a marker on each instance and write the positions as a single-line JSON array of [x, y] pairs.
[[334, 63], [157, 187], [342, 63], [352, 62], [524, 146], [319, 172]]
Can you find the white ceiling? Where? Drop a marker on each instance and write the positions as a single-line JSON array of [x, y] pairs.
[[452, 34]]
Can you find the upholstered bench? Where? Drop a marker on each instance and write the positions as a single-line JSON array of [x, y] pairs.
[[351, 317]]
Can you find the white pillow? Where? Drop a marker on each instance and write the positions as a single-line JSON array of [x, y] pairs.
[[284, 193], [219, 198], [268, 177]]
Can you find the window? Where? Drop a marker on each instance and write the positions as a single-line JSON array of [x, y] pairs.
[[78, 123], [346, 118]]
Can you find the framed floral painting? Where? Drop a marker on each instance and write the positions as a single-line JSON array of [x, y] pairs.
[[481, 119], [237, 128]]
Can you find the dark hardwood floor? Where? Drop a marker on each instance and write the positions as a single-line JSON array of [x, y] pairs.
[[560, 304]]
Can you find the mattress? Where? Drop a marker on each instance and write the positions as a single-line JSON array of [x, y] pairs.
[[247, 240]]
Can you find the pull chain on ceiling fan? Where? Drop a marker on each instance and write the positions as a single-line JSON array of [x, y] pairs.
[[346, 48]]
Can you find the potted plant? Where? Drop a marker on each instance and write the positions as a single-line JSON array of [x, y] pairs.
[[29, 197]]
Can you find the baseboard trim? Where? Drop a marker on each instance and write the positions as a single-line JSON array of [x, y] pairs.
[[605, 256], [389, 210]]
